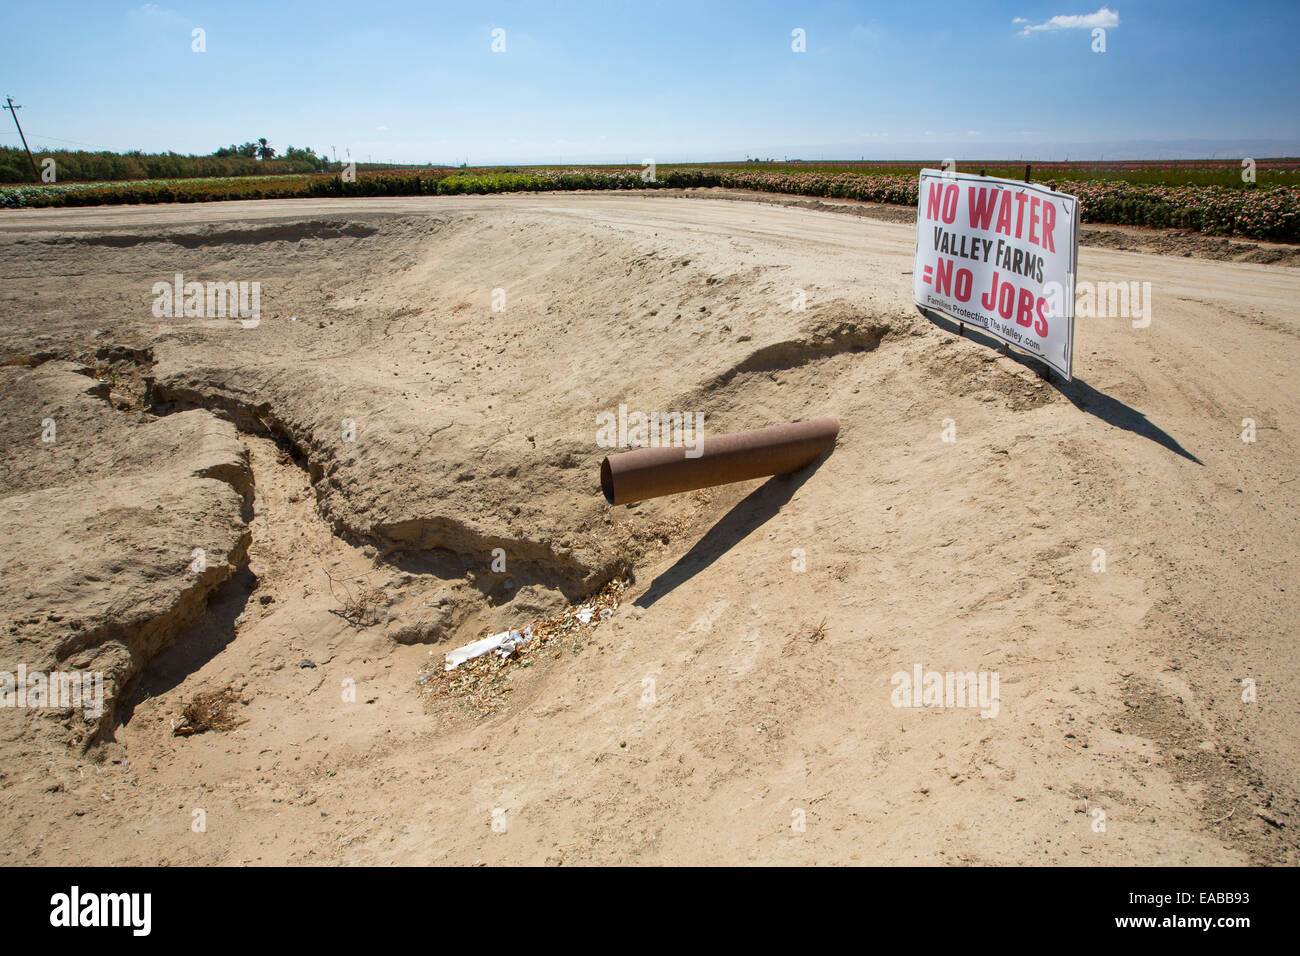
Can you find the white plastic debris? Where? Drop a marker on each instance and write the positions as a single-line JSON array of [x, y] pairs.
[[584, 615], [505, 644]]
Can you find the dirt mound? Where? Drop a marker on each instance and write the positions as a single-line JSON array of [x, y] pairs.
[[402, 394], [407, 394]]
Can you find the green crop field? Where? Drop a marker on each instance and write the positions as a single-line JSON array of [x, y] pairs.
[[1202, 196]]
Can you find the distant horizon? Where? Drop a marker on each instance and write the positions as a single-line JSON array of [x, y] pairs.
[[1137, 151], [990, 160]]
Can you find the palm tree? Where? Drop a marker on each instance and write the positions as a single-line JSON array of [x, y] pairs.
[[264, 149]]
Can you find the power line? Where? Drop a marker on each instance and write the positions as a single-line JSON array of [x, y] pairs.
[[43, 136], [14, 112]]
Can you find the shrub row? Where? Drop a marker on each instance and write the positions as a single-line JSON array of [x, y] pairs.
[[1214, 210]]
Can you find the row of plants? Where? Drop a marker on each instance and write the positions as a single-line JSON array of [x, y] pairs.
[[1229, 173], [79, 165], [155, 191], [1214, 210]]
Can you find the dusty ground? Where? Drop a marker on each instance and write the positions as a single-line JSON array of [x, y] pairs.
[[732, 709]]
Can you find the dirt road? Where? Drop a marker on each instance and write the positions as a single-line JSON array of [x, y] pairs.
[[1111, 549]]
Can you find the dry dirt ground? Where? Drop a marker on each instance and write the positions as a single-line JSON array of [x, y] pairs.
[[282, 699]]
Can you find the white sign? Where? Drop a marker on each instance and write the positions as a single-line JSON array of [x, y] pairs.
[[1000, 255]]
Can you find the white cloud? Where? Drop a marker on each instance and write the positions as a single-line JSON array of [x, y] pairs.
[[1105, 17], [160, 13], [866, 34]]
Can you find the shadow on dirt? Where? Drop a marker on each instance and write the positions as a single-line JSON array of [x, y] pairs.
[[748, 514], [195, 647], [1114, 412], [1079, 393]]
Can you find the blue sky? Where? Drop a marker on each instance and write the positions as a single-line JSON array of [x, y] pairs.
[[673, 81]]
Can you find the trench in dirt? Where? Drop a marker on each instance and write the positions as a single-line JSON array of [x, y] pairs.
[[294, 557]]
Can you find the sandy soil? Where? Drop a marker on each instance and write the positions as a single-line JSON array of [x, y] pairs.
[[733, 708]]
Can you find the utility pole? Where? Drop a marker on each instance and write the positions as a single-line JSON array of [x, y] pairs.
[[14, 110]]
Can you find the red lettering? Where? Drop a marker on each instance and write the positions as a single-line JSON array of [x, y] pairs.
[[1033, 220], [989, 299], [1006, 300], [943, 277], [1004, 215], [1025, 312], [983, 203], [1040, 326], [1020, 213], [1049, 223], [950, 208], [934, 201], [964, 280]]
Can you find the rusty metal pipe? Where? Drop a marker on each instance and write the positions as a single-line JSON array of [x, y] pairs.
[[650, 472]]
